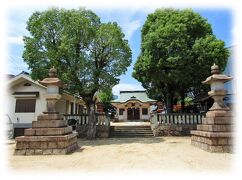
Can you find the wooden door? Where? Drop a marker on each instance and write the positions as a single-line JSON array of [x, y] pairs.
[[130, 113], [133, 113]]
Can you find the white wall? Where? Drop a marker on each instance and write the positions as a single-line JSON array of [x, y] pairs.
[[39, 107], [145, 116], [122, 117]]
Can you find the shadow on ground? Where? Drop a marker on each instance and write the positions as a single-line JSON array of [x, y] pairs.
[[111, 141]]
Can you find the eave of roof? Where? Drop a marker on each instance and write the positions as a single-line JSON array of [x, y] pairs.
[[133, 95]]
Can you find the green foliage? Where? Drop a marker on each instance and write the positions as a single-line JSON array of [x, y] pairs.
[[105, 97], [177, 51], [88, 55]]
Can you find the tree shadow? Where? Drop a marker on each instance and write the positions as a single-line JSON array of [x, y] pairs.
[[79, 149], [118, 141], [174, 142]]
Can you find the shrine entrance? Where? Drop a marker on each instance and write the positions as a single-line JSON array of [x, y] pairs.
[[133, 113]]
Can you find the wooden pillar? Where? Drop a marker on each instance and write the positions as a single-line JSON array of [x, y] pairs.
[[140, 112]]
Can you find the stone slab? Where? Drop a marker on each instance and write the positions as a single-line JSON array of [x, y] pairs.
[[211, 148], [47, 131], [215, 128], [50, 117], [219, 114], [51, 151], [49, 123], [217, 120], [213, 141], [47, 138], [45, 144], [53, 131], [211, 134], [29, 132]]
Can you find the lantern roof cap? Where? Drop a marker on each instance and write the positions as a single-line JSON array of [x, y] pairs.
[[52, 72], [214, 69], [52, 79], [216, 76]]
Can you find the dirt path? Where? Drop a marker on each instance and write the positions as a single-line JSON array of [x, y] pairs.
[[128, 154]]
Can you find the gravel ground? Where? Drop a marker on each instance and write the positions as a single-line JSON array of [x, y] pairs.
[[162, 154]]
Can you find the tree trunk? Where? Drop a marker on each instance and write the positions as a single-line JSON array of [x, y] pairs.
[[182, 102], [91, 132], [169, 101]]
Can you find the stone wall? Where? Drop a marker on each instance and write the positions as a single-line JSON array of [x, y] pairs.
[[174, 129], [102, 131]]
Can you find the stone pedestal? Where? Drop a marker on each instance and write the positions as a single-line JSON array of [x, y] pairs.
[[215, 132], [48, 135]]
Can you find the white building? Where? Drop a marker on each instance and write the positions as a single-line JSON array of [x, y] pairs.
[[26, 100]]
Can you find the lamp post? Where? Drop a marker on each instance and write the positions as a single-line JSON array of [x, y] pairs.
[[53, 83], [216, 81]]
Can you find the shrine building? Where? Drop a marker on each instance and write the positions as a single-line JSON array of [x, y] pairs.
[[133, 106]]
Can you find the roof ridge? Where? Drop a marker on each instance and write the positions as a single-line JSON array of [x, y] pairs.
[[135, 91]]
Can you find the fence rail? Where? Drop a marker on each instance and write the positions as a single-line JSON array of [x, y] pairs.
[[176, 118], [82, 119]]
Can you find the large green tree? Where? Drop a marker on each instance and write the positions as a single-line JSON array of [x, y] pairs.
[[178, 47], [89, 55]]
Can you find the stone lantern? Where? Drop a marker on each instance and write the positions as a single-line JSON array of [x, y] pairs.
[[217, 92], [50, 134], [215, 134], [53, 83]]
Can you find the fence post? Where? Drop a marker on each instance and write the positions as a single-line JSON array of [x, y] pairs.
[[107, 120], [155, 120]]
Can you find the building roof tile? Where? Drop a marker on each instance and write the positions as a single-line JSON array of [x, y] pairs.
[[133, 95]]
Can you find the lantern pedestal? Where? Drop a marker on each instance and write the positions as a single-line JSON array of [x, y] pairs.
[[50, 134], [215, 132], [51, 101], [218, 96]]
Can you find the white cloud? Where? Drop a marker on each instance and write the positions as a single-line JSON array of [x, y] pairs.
[[125, 87], [15, 40], [130, 27]]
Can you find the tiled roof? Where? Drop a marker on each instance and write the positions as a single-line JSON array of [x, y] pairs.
[[133, 95]]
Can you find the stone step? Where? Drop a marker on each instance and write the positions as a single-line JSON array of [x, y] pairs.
[[213, 141], [217, 120], [49, 124], [47, 131], [50, 117], [130, 127], [130, 135], [215, 128], [131, 131], [139, 133]]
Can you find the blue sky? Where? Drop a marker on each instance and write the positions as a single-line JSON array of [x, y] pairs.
[[131, 22]]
